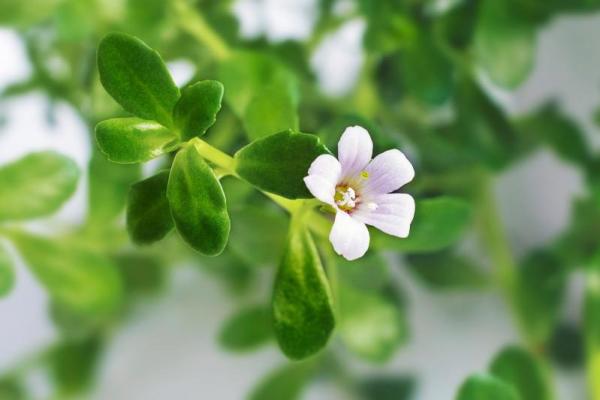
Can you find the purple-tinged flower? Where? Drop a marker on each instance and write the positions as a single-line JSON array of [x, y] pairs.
[[360, 190]]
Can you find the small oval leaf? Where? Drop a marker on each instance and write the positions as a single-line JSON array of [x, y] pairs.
[[36, 185], [134, 140], [148, 214], [197, 109], [486, 387], [198, 203], [302, 305], [522, 370], [247, 329], [278, 163], [136, 77], [85, 281]]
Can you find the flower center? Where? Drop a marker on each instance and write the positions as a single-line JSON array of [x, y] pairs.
[[345, 197]]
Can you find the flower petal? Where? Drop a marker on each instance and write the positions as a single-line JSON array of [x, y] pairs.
[[388, 172], [393, 214], [321, 188], [349, 237], [355, 150], [323, 176]]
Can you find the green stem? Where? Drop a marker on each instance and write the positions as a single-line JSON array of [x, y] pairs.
[[195, 25], [226, 166]]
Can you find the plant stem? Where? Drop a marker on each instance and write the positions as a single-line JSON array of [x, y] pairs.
[[494, 237], [194, 24], [226, 166]]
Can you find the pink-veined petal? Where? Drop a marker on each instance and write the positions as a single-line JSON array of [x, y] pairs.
[[323, 176], [349, 237], [391, 213], [355, 150], [387, 172]]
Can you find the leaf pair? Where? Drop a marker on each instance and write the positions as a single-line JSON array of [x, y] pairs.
[[137, 78], [514, 374], [188, 197]]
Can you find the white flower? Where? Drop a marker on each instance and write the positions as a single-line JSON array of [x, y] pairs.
[[360, 190]]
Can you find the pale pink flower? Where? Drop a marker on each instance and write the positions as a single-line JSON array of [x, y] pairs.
[[360, 190]]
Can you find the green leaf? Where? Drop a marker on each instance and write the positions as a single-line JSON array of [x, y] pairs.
[[270, 111], [278, 163], [134, 140], [136, 77], [11, 389], [438, 223], [198, 203], [447, 271], [370, 325], [302, 304], [486, 387], [7, 273], [504, 43], [262, 92], [551, 126], [247, 329], [258, 234], [73, 364], [109, 184], [426, 72], [520, 369], [388, 388], [142, 274], [540, 290], [566, 346], [285, 382], [369, 273], [36, 185], [197, 109], [84, 281], [148, 213]]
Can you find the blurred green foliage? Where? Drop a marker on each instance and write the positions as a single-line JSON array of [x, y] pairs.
[[419, 89]]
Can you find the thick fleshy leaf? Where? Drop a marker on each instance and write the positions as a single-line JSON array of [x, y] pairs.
[[539, 296], [36, 185], [7, 273], [370, 325], [137, 78], [447, 271], [486, 387], [437, 224], [82, 280], [504, 43], [524, 372], [148, 213], [247, 329], [278, 163], [197, 109], [198, 203], [134, 140], [302, 304], [287, 382]]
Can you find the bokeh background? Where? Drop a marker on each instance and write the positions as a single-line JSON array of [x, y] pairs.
[[166, 347]]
